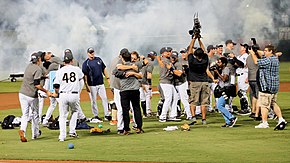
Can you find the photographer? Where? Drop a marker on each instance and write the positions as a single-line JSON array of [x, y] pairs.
[[221, 92], [198, 79]]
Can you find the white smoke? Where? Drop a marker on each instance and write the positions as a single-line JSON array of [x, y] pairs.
[[109, 25]]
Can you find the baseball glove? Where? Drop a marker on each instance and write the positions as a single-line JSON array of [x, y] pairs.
[[185, 127]]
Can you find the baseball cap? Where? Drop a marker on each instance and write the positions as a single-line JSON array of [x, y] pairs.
[[219, 46], [67, 56], [174, 54], [245, 45], [183, 50], [67, 51], [151, 54], [230, 41], [35, 57], [165, 49], [90, 50], [209, 47]]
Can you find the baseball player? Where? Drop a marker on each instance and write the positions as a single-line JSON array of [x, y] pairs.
[[243, 85], [28, 97], [166, 84], [54, 64], [180, 83], [146, 82], [94, 69], [81, 115], [67, 87]]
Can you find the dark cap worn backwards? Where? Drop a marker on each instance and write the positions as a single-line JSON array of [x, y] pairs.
[[67, 56], [230, 41], [151, 54], [90, 50], [35, 57], [219, 46], [209, 47]]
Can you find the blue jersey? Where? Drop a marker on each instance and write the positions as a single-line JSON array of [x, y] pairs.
[[94, 70]]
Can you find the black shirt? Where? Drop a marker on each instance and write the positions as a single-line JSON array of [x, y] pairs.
[[197, 68]]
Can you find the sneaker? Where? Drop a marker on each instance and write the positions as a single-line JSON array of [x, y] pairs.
[[262, 125], [234, 120], [45, 123], [120, 132], [96, 119], [281, 125], [257, 118], [61, 140], [134, 128], [225, 125], [108, 118], [74, 135], [84, 120], [139, 131], [22, 136], [174, 119], [192, 121], [162, 120], [203, 122], [38, 135], [113, 122], [244, 112], [252, 115], [125, 133]]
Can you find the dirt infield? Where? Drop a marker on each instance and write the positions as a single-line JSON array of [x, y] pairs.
[[10, 100]]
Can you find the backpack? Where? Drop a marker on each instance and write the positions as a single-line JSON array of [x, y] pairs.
[[7, 122], [54, 125], [82, 125]]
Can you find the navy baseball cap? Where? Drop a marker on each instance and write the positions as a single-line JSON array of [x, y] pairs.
[[183, 50], [90, 50], [67, 56], [230, 41], [174, 54], [210, 47]]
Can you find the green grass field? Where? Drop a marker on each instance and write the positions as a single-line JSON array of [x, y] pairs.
[[209, 143]]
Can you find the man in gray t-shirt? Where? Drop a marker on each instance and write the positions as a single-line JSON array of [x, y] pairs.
[[129, 92], [254, 90], [28, 96]]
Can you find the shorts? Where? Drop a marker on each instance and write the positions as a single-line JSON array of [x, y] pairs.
[[266, 100], [254, 89], [199, 93]]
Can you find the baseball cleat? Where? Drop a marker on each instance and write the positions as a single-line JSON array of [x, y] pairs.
[[22, 136]]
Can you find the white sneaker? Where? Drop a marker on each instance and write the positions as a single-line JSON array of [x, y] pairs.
[[95, 120], [262, 125], [174, 119], [45, 123]]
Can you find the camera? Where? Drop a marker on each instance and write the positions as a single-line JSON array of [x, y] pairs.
[[195, 31], [212, 68], [255, 46]]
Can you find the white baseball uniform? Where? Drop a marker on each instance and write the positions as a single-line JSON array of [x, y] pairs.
[[242, 74], [68, 77]]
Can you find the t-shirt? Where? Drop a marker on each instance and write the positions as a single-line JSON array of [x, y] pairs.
[[146, 69], [252, 68], [129, 83], [178, 80], [225, 71], [31, 73], [165, 76], [115, 82], [94, 70], [56, 62], [197, 68], [68, 77]]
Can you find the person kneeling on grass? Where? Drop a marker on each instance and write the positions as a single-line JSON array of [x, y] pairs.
[[223, 91]]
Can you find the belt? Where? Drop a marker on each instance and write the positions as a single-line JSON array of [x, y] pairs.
[[240, 74], [73, 92]]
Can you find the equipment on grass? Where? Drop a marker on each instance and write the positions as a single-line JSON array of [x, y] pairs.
[[185, 127], [71, 146], [7, 122]]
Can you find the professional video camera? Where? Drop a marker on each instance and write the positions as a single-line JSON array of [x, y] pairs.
[[255, 46], [195, 31]]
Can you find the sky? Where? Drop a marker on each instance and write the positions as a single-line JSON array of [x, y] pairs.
[[109, 25]]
